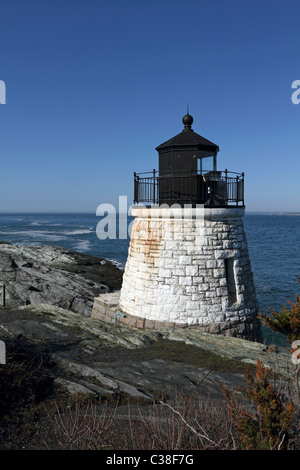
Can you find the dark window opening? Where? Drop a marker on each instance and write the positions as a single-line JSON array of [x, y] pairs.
[[231, 287]]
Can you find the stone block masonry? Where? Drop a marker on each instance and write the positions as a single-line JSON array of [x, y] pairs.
[[190, 268]]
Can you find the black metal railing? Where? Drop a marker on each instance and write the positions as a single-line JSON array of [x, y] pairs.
[[213, 188]]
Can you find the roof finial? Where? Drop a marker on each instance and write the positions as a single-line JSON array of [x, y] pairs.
[[187, 119]]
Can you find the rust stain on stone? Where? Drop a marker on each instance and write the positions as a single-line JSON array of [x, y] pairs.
[[146, 241]]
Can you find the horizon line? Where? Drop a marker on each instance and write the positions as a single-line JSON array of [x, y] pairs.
[[94, 213]]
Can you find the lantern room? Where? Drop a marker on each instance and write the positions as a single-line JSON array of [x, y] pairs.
[[188, 174], [187, 151]]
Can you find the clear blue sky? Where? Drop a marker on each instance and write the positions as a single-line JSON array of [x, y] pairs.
[[94, 86]]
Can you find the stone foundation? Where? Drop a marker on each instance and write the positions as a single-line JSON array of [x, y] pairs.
[[106, 308]]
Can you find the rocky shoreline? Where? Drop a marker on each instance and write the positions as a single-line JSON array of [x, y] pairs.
[[85, 348], [49, 274], [48, 318], [50, 293]]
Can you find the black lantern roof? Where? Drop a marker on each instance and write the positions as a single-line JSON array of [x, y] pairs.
[[188, 138]]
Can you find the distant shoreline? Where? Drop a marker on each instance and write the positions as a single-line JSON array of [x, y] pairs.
[[117, 213], [273, 213]]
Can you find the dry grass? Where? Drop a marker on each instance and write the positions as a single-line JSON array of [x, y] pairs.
[[172, 425], [34, 414]]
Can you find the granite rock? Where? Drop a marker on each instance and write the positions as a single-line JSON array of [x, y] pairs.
[[55, 275], [94, 357]]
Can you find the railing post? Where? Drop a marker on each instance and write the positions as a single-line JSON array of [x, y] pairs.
[[136, 187], [227, 189], [191, 183], [243, 188], [237, 191], [135, 191], [154, 186]]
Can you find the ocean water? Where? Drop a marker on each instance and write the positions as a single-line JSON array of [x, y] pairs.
[[273, 243]]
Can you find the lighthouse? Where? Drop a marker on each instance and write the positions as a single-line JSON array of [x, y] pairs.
[[188, 263]]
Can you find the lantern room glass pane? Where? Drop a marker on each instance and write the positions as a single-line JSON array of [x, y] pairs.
[[205, 164]]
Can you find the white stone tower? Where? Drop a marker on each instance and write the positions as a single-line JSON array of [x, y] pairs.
[[188, 262]]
